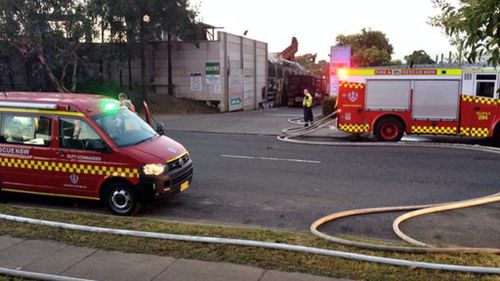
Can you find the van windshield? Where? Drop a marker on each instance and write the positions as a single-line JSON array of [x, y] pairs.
[[125, 128]]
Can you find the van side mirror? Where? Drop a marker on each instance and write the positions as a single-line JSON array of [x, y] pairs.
[[160, 129]]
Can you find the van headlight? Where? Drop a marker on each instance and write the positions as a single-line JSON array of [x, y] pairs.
[[153, 169]]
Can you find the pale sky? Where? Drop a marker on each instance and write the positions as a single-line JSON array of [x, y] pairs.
[[316, 23]]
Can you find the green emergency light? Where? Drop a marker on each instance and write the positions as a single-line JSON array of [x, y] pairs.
[[110, 106]]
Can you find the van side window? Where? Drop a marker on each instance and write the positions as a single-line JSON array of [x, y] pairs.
[[77, 134], [29, 130]]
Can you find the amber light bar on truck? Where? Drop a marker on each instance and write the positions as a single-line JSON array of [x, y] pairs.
[[29, 105]]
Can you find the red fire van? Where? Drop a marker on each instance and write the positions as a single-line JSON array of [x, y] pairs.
[[89, 147]]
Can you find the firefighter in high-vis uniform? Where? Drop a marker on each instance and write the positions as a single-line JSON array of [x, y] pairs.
[[307, 104]]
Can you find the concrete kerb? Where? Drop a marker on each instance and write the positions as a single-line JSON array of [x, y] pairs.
[[37, 276]]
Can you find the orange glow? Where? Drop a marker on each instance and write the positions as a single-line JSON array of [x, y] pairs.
[[342, 73]]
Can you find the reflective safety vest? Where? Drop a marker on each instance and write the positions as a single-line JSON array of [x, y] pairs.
[[308, 100]]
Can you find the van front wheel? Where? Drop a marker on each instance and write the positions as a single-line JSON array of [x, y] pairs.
[[121, 199]]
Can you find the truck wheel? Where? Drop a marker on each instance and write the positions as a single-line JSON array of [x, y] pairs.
[[389, 129], [121, 199]]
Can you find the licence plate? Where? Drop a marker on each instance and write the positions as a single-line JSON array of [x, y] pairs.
[[184, 186]]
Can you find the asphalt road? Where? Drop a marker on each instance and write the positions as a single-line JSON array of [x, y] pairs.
[[291, 195], [258, 181]]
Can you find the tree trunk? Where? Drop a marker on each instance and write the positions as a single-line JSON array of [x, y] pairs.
[[28, 67], [143, 60], [57, 84], [101, 63], [11, 75], [73, 77], [129, 68], [169, 67]]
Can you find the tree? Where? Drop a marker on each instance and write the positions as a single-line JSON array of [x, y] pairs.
[[123, 21], [369, 48], [474, 26], [177, 19], [137, 22], [53, 36], [47, 35], [396, 62], [419, 57]]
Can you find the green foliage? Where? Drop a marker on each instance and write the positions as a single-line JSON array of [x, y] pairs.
[[369, 48], [474, 27], [137, 21], [419, 57], [53, 36], [175, 16], [329, 105], [47, 35], [396, 62]]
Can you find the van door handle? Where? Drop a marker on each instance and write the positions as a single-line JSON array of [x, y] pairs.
[[60, 153]]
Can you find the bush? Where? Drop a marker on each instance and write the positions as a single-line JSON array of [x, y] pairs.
[[329, 105]]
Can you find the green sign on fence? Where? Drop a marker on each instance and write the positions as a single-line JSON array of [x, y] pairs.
[[236, 101], [212, 69]]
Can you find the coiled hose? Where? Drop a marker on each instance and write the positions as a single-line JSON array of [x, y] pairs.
[[419, 247], [421, 210]]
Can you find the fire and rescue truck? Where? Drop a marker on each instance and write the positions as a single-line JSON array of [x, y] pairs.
[[297, 84], [431, 101], [88, 147]]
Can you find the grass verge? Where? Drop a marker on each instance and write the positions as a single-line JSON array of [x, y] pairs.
[[8, 278], [269, 259]]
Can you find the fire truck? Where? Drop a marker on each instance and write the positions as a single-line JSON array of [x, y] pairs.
[[428, 101]]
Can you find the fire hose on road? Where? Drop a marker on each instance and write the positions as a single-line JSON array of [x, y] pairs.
[[420, 210], [290, 135]]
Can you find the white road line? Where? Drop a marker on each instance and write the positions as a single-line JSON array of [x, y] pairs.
[[270, 159]]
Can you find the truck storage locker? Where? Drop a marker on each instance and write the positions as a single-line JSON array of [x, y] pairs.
[[391, 95], [436, 100]]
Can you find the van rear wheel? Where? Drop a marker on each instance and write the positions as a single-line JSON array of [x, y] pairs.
[[121, 199], [389, 129]]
